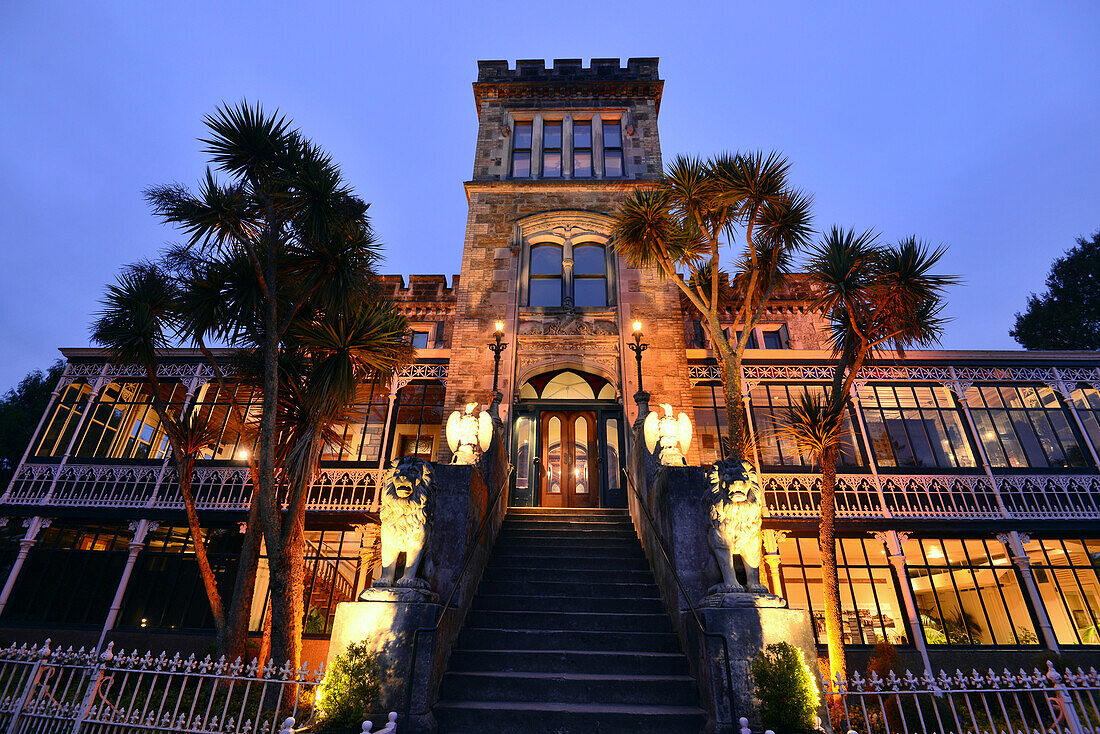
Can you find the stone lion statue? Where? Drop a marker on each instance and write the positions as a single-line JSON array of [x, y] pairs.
[[406, 517], [735, 524]]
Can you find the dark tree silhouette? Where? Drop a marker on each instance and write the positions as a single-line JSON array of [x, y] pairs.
[[20, 409], [1067, 315]]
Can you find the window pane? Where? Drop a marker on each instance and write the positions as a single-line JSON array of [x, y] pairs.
[[588, 260], [551, 135], [612, 426], [522, 136], [773, 340], [553, 456], [551, 164], [580, 455], [590, 292], [582, 134], [420, 339], [582, 163], [612, 136], [521, 163], [612, 163], [546, 260], [545, 292]]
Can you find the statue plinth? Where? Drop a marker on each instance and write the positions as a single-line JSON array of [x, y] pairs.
[[406, 594], [742, 600]]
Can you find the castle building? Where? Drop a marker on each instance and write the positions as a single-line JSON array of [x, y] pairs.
[[968, 503]]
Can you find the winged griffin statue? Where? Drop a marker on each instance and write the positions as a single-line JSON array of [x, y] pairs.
[[672, 434], [469, 434]]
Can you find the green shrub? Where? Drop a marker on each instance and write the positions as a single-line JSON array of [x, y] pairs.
[[786, 689], [350, 690]]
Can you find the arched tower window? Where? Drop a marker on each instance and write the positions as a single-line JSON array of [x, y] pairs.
[[567, 261]]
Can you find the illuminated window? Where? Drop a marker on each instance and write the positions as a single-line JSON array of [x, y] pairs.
[[61, 424], [917, 426], [1067, 573], [521, 149], [1024, 427], [967, 593], [870, 612], [769, 403]]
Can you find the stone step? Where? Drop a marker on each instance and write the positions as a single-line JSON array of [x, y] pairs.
[[538, 587], [569, 549], [567, 512], [539, 524], [476, 717], [523, 533], [547, 546], [594, 575], [534, 563], [529, 603], [476, 638], [583, 621], [570, 661], [662, 690]]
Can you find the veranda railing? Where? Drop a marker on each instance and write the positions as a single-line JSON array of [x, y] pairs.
[[45, 691], [976, 703]]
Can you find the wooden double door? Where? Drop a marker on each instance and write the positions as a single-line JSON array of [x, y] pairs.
[[568, 459]]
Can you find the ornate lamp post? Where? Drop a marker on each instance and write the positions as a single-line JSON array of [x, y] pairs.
[[496, 347], [641, 397]]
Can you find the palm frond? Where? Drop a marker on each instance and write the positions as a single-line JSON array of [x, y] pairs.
[[139, 310], [247, 142], [813, 422]]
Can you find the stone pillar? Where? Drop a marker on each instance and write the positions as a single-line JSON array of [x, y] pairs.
[[34, 526], [893, 540], [404, 626], [742, 623], [140, 529], [1014, 543]]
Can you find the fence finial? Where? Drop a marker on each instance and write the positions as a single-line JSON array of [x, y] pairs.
[[288, 726], [744, 725]]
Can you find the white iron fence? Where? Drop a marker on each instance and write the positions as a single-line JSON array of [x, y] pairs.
[[44, 691], [978, 703]]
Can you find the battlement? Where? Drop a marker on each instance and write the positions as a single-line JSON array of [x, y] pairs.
[[566, 70]]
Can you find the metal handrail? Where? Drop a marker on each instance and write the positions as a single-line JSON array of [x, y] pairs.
[[684, 593], [490, 510]]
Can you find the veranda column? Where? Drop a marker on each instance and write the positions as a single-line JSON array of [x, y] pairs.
[[746, 400], [192, 387], [395, 386], [1067, 392], [34, 526], [893, 540], [368, 537], [140, 528], [857, 404], [1014, 542], [102, 381], [772, 539], [959, 388]]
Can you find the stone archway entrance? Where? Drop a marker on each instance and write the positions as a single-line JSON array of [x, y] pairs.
[[567, 442]]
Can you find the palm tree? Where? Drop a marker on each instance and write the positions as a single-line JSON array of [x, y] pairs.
[[683, 226], [282, 237], [875, 297], [137, 313]]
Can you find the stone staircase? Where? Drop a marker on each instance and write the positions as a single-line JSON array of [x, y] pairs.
[[568, 633]]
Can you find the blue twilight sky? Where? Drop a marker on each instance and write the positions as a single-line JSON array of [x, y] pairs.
[[975, 124]]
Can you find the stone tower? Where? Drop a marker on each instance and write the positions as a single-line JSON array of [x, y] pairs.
[[557, 150]]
